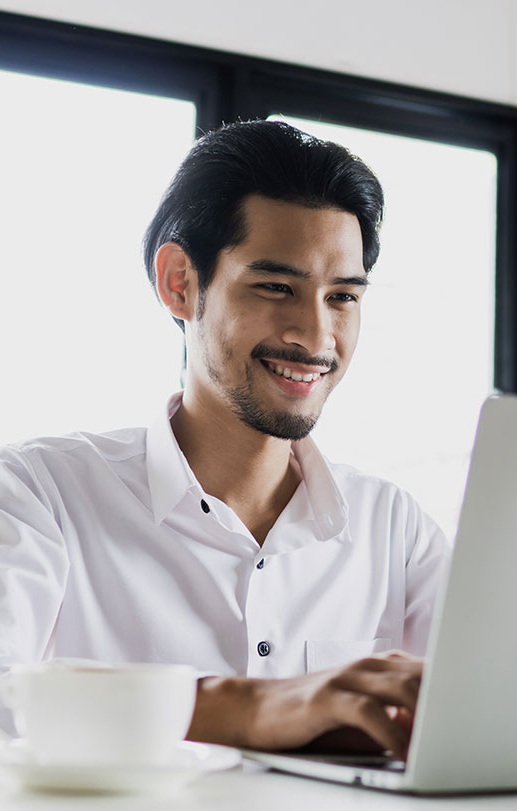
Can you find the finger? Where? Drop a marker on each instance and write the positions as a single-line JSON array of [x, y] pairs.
[[403, 718], [388, 687], [370, 717], [393, 661], [398, 654]]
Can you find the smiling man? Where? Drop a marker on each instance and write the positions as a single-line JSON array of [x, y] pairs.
[[277, 330], [220, 536]]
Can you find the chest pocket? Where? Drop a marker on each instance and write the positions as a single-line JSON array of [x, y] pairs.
[[321, 654]]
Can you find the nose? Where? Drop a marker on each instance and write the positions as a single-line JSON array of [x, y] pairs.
[[310, 326]]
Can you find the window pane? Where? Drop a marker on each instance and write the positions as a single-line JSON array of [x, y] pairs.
[[84, 342], [408, 406]]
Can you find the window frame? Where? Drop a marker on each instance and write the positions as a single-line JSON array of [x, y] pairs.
[[226, 86]]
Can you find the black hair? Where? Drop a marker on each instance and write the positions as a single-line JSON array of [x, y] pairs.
[[202, 209]]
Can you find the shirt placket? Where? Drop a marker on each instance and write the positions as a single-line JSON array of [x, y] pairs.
[[264, 644]]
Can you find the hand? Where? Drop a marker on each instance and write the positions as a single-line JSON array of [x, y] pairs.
[[293, 713]]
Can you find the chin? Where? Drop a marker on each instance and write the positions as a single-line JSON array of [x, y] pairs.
[[279, 424]]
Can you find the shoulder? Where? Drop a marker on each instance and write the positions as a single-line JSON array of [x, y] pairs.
[[355, 483], [388, 509], [81, 448]]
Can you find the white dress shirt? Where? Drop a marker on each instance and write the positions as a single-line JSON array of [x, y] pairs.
[[110, 550]]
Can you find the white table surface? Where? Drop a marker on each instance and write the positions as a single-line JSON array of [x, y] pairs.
[[248, 788]]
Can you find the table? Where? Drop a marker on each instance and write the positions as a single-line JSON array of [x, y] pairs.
[[252, 788]]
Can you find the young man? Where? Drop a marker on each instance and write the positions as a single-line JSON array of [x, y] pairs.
[[221, 537]]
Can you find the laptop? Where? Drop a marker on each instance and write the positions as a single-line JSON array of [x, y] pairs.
[[465, 731]]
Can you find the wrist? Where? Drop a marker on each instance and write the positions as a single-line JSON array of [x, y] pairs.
[[224, 711]]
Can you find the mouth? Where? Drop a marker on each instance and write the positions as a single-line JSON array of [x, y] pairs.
[[292, 374], [295, 381]]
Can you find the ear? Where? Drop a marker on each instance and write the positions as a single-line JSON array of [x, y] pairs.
[[176, 280]]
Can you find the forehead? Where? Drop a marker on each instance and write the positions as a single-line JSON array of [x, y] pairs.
[[311, 238]]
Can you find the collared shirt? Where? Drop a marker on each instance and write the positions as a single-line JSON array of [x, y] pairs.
[[111, 550]]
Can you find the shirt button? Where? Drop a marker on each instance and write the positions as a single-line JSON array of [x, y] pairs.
[[260, 564], [263, 648], [204, 506]]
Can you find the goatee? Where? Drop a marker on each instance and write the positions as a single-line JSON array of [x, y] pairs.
[[281, 424]]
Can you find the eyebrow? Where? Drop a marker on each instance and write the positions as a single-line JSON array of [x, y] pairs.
[[260, 266]]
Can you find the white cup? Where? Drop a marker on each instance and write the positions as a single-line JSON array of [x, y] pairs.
[[123, 715]]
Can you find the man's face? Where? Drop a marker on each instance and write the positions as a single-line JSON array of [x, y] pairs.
[[281, 316]]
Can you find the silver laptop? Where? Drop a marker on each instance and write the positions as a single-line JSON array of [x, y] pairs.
[[465, 733]]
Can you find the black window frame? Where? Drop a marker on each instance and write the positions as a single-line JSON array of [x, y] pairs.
[[226, 86]]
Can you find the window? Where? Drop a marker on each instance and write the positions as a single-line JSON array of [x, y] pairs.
[[424, 363], [85, 344]]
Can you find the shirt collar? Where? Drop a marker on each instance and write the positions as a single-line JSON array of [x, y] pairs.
[[170, 476], [168, 472], [329, 506]]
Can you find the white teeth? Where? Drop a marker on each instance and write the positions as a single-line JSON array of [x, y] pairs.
[[296, 376]]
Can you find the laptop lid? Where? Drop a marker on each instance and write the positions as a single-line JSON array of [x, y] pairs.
[[465, 730]]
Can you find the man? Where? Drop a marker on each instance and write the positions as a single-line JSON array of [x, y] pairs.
[[221, 537]]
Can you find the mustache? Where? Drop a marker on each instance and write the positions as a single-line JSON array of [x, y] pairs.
[[262, 351]]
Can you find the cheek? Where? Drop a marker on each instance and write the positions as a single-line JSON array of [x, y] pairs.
[[247, 327], [217, 344], [347, 334], [224, 336], [226, 350]]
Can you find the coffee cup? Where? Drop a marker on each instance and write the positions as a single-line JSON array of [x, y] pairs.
[[131, 714]]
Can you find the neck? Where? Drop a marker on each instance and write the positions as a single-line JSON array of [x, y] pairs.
[[253, 473]]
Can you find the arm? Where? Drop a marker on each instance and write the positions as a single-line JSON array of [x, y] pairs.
[[428, 556], [33, 566], [292, 713]]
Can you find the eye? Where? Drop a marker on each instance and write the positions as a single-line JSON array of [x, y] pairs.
[[345, 297], [274, 287]]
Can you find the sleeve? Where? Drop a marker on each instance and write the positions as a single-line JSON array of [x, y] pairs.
[[33, 565], [426, 565]]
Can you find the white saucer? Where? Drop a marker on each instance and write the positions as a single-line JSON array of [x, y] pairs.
[[190, 760]]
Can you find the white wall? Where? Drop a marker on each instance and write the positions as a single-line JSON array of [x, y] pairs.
[[457, 46]]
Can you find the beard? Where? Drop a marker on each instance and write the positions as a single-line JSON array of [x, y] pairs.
[[245, 405], [281, 424]]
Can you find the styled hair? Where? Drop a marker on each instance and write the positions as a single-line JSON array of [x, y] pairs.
[[203, 208]]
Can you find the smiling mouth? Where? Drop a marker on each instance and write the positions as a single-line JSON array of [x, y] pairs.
[[291, 374]]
